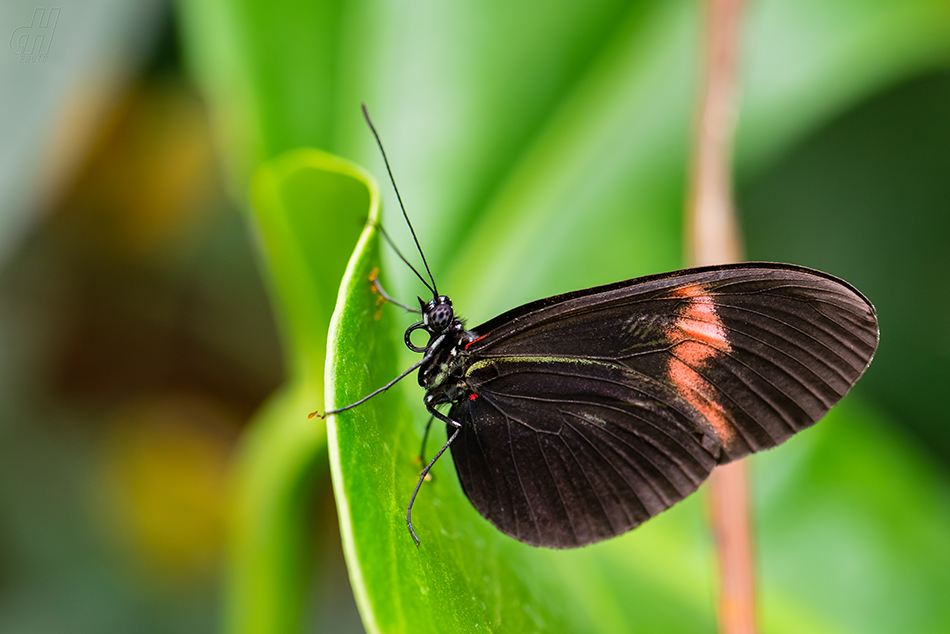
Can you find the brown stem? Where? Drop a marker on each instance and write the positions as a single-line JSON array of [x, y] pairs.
[[732, 526], [712, 237]]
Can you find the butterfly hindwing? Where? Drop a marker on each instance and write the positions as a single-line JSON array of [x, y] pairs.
[[561, 453]]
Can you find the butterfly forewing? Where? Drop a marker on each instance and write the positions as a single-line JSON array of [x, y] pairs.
[[595, 410]]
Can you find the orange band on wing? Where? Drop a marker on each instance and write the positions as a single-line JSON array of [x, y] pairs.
[[698, 335], [701, 395], [698, 320]]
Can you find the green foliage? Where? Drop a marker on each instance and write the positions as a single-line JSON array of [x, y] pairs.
[[866, 197], [309, 208], [543, 147]]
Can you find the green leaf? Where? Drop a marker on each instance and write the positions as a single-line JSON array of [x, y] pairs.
[[266, 69], [466, 575], [309, 208], [847, 514]]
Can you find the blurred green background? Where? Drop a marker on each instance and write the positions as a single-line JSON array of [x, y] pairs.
[[540, 147]]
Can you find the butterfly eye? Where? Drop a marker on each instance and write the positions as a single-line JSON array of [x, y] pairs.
[[440, 317]]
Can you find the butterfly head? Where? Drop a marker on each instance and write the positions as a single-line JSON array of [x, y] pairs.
[[438, 318], [437, 314]]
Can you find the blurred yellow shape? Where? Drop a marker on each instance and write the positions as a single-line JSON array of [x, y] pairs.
[[165, 485], [149, 178]]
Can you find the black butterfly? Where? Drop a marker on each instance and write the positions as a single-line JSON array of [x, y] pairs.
[[576, 418]]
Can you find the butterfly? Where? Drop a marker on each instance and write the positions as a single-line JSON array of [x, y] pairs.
[[577, 417]]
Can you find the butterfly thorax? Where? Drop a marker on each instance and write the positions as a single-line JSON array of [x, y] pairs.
[[442, 372]]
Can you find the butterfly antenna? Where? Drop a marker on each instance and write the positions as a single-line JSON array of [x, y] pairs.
[[392, 244], [433, 288]]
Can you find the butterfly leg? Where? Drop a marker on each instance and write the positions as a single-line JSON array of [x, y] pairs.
[[425, 437], [425, 472], [368, 396], [386, 297]]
